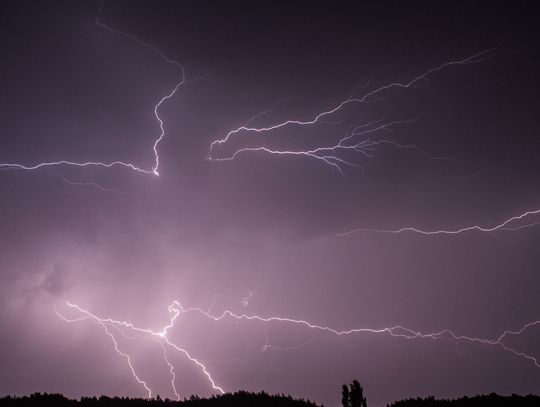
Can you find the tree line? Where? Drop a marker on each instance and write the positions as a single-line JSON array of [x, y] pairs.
[[352, 395]]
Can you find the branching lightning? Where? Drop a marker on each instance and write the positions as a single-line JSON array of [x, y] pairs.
[[155, 168], [360, 139], [332, 154], [159, 336], [176, 310]]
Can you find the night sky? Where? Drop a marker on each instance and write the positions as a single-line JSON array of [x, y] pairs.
[[257, 224]]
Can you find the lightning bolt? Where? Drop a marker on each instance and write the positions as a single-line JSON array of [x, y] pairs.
[[505, 225], [394, 331], [105, 327], [332, 154], [176, 310], [329, 156], [159, 336], [155, 168]]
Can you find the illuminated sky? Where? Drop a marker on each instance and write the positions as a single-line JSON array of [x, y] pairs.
[[344, 191]]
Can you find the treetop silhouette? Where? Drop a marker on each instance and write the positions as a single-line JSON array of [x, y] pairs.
[[353, 397]]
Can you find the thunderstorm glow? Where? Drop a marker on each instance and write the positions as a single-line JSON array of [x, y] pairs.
[[307, 247]]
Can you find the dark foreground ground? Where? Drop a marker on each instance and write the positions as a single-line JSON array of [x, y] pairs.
[[245, 399]]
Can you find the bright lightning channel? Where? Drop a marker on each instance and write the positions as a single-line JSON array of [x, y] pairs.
[[176, 310], [155, 168], [331, 155], [159, 336]]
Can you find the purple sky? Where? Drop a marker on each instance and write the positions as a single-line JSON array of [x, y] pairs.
[[264, 227]]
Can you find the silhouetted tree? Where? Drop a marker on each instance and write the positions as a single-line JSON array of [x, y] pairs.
[[353, 397]]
